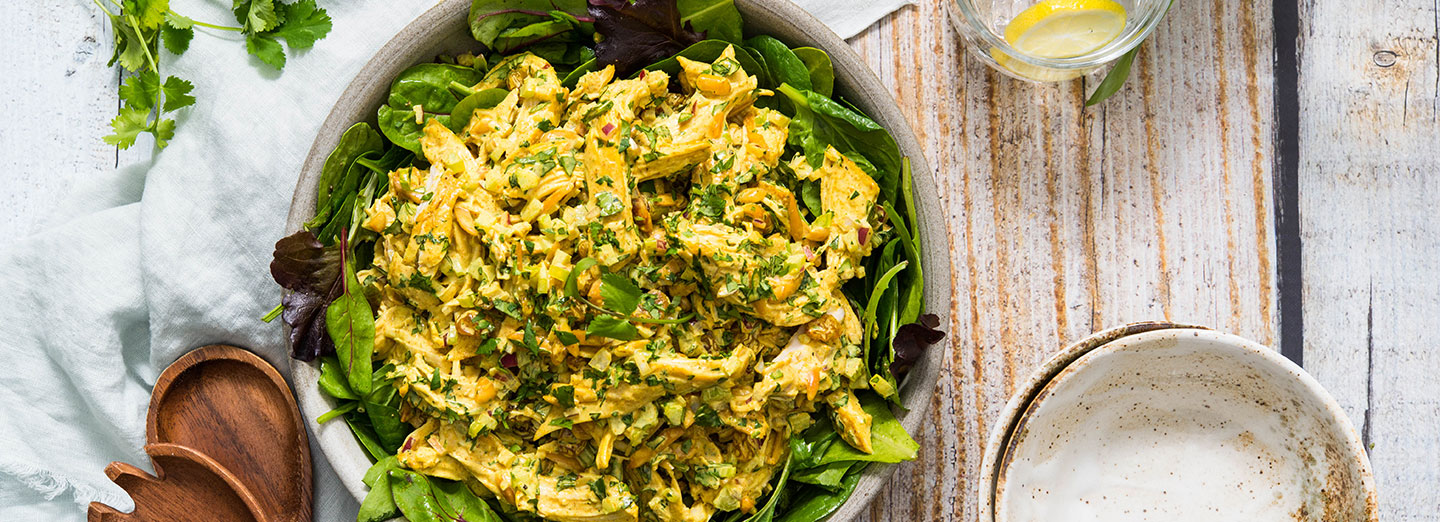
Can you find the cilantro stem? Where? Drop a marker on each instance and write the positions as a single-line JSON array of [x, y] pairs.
[[647, 320], [154, 66], [213, 26], [102, 8]]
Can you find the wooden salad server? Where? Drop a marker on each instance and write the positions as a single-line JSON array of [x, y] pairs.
[[187, 485], [226, 411]]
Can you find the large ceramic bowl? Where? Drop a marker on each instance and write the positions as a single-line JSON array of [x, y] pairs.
[[1159, 422], [443, 30]]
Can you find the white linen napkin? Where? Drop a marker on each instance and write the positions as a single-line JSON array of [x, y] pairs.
[[155, 259]]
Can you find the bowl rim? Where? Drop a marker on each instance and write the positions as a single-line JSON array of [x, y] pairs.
[[780, 18], [977, 32], [1069, 361]]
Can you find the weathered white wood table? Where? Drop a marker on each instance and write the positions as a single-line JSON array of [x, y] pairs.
[[1271, 170]]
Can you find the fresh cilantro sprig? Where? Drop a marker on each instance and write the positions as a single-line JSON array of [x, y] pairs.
[[619, 299], [142, 27]]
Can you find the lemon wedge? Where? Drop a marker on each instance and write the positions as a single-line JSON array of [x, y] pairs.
[[1065, 28]]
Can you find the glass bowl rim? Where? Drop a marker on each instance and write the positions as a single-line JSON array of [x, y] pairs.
[[968, 21]]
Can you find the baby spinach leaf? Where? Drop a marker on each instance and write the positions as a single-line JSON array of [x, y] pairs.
[[425, 499], [819, 122], [513, 38], [358, 139], [428, 86], [810, 194], [707, 51], [637, 32], [882, 264], [822, 73], [379, 504], [488, 18], [353, 194], [717, 19], [400, 128], [916, 280], [352, 326], [762, 73], [360, 427], [816, 503], [486, 99], [807, 449], [888, 440], [379, 473], [878, 291], [333, 380], [827, 476], [573, 77], [382, 410], [784, 66]]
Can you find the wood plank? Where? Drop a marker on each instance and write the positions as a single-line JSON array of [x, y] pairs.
[[1067, 220], [58, 99], [1368, 193]]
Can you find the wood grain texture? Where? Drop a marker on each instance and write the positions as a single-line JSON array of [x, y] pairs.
[[1066, 220], [225, 435], [58, 97], [232, 406], [187, 485], [1369, 91]]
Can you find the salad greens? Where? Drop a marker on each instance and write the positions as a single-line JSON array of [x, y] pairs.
[[331, 317], [436, 88], [143, 26]]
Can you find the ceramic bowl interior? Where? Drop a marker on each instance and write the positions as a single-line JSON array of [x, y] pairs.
[[442, 30], [1178, 425]]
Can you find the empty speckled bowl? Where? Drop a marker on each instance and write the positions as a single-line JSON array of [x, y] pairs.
[[1160, 422]]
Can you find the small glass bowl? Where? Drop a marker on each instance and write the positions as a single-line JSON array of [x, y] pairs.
[[982, 23]]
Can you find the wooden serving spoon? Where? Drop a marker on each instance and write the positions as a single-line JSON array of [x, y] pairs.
[[187, 486], [233, 409]]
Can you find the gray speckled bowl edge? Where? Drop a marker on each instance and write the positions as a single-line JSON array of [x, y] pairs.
[[442, 29], [1001, 440]]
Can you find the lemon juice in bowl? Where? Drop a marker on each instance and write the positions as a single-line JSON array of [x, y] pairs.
[[1054, 40]]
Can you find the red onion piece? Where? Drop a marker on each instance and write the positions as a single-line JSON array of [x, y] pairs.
[[864, 234], [607, 128], [509, 361]]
